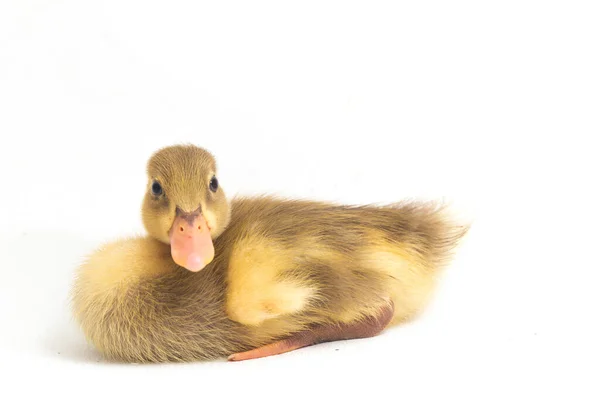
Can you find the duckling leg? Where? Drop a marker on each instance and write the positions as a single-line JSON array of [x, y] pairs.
[[368, 327]]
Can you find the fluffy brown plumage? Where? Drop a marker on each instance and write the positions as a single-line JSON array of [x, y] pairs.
[[280, 266]]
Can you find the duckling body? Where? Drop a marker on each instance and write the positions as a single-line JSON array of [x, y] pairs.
[[285, 274]]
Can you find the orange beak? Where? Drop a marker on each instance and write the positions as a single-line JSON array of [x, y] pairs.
[[191, 243]]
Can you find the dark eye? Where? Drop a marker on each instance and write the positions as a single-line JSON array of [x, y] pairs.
[[157, 190], [214, 184]]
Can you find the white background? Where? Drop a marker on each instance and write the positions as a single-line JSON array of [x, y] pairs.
[[493, 106]]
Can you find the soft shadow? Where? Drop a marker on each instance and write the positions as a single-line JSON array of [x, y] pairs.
[[40, 279], [64, 341]]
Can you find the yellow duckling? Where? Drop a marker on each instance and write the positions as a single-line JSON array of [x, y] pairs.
[[257, 276]]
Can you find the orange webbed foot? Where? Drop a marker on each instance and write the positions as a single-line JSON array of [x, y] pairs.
[[367, 327]]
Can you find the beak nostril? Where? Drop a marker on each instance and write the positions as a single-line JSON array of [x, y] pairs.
[[181, 228], [199, 228]]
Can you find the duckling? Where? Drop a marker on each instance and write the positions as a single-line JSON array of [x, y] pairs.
[[254, 276]]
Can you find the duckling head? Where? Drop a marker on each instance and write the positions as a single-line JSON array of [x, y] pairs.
[[184, 205]]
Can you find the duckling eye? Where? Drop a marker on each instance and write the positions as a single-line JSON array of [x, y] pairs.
[[214, 184], [157, 190]]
